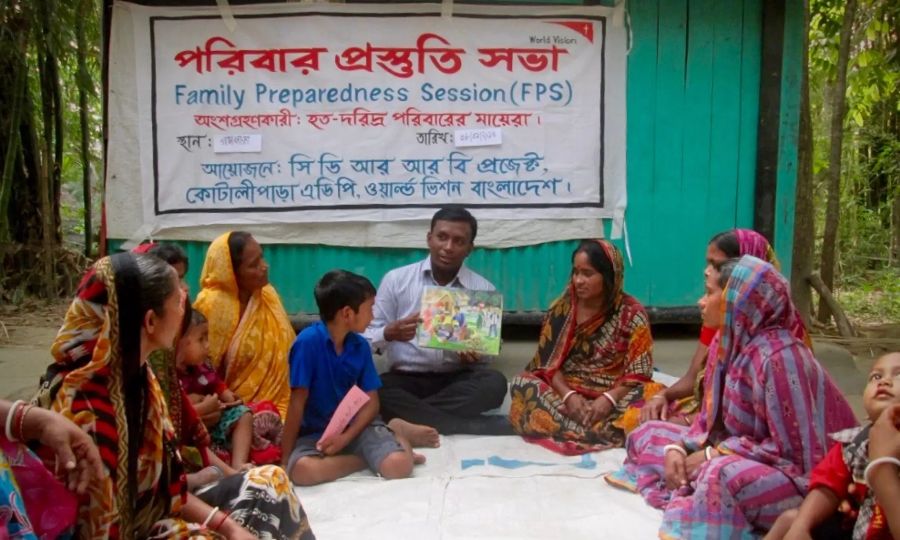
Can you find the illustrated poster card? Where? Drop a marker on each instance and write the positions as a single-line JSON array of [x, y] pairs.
[[460, 320]]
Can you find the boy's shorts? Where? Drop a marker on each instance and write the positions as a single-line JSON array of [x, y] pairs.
[[372, 445]]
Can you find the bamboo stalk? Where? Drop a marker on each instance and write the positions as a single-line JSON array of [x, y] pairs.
[[44, 174], [83, 79], [13, 147]]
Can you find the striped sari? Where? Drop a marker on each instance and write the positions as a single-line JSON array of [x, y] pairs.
[[144, 490], [750, 242], [767, 408]]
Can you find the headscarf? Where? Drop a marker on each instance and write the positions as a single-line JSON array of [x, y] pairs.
[[621, 329], [759, 318], [250, 351], [97, 359], [752, 243]]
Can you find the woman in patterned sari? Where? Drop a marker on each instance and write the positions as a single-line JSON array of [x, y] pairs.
[[681, 401], [249, 332], [35, 503], [593, 360], [128, 306], [767, 409]]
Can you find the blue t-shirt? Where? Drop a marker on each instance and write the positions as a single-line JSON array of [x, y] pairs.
[[317, 367]]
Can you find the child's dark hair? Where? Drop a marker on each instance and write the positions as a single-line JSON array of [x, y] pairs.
[[338, 289], [457, 214], [197, 318], [725, 271], [171, 253]]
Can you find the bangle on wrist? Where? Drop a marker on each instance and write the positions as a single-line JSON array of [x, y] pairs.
[[567, 395], [223, 517], [11, 419], [708, 452], [25, 410], [660, 395], [609, 398], [674, 448], [209, 517], [878, 461]]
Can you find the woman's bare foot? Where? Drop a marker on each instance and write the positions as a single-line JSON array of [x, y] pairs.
[[417, 434], [418, 459]]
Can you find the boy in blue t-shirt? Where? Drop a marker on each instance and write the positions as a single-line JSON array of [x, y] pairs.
[[327, 359]]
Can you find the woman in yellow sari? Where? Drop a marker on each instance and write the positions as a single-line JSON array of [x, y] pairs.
[[249, 331]]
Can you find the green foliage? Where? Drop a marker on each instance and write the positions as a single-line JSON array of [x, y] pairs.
[[872, 296], [867, 277]]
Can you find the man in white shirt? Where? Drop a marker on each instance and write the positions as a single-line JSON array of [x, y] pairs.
[[437, 388]]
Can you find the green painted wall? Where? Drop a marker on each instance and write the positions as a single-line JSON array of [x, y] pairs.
[[693, 101]]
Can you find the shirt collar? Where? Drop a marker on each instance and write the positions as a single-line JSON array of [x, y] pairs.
[[462, 278], [351, 340]]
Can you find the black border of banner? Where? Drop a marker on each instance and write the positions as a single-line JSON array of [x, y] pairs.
[[436, 204]]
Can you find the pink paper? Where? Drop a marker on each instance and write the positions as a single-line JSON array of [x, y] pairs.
[[346, 410]]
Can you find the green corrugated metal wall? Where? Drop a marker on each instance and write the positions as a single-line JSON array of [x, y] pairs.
[[693, 100]]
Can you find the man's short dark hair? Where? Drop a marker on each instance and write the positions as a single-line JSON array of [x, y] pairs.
[[338, 289], [458, 214]]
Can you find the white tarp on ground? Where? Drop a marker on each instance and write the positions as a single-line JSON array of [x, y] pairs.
[[484, 487], [553, 101]]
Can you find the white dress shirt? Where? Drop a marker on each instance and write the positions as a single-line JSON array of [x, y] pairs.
[[399, 296]]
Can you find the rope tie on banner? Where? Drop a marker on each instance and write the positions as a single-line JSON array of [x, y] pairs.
[[227, 15], [618, 14], [619, 230], [447, 9]]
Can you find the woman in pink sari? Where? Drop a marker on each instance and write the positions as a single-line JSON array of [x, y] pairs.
[[35, 503], [681, 401], [767, 408]]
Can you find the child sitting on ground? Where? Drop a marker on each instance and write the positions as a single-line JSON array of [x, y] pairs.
[[327, 359], [242, 433], [862, 469]]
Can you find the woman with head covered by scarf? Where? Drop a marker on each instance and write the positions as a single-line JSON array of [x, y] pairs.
[[593, 360], [767, 409], [127, 306], [249, 331], [680, 402]]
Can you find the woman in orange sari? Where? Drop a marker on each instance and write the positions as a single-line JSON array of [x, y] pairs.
[[593, 360], [249, 331]]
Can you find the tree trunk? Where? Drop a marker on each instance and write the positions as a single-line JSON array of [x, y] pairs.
[[45, 174], [13, 145], [59, 147], [27, 226], [83, 80], [805, 218], [845, 327], [838, 106]]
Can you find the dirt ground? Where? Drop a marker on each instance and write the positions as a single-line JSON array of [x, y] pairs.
[[28, 330]]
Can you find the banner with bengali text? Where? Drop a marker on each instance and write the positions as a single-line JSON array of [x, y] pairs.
[[313, 113]]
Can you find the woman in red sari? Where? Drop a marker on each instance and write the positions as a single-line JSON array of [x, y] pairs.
[[593, 359]]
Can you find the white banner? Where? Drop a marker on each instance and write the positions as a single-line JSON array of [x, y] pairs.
[[377, 113]]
